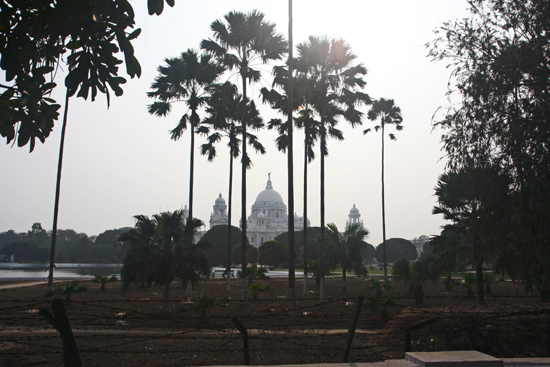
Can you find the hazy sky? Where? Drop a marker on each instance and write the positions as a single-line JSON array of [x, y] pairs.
[[120, 162]]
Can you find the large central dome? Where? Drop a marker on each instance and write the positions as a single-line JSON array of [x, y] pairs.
[[269, 196], [268, 217]]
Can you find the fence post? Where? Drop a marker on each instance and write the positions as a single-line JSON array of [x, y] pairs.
[[60, 321], [352, 327], [244, 333]]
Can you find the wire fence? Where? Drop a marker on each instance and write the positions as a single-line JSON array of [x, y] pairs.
[[140, 331]]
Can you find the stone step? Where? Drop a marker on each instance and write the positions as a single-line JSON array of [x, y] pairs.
[[463, 358]]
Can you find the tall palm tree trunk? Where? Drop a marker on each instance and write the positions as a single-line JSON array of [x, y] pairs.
[[384, 212], [290, 156], [304, 228], [230, 206], [191, 170], [57, 191], [322, 270], [243, 196]]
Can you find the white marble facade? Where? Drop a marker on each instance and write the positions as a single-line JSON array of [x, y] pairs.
[[269, 217]]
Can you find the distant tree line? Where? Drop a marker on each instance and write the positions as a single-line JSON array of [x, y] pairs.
[[34, 246]]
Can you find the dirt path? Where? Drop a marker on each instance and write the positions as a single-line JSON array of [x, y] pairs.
[[12, 285]]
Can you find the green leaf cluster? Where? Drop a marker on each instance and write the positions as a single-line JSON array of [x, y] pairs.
[[35, 37]]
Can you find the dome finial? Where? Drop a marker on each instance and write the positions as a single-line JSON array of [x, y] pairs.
[[269, 186]]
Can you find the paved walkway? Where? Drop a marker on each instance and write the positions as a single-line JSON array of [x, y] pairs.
[[507, 362]]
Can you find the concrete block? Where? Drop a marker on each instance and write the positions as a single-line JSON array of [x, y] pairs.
[[463, 358]]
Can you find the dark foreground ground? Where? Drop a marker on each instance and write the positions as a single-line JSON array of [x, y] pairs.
[[135, 329]]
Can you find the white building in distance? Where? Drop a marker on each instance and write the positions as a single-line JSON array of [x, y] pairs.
[[354, 218], [219, 213], [269, 217]]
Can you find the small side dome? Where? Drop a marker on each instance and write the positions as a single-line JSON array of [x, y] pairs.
[[261, 216], [354, 210]]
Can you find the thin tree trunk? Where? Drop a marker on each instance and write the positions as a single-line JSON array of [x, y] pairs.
[[344, 288], [230, 203], [384, 212], [167, 296], [58, 190], [478, 263], [291, 255], [243, 196], [191, 171], [322, 270], [189, 290], [304, 228]]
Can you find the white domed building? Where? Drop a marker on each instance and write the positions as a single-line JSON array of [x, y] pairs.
[[269, 218], [354, 218], [219, 213]]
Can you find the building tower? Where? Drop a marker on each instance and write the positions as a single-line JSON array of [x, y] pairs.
[[354, 218], [219, 213]]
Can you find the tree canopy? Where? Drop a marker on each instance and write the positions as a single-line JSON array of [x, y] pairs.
[[397, 248], [35, 37], [500, 62], [217, 235], [273, 253]]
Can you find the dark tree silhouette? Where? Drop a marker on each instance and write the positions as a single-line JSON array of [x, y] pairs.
[[389, 113], [336, 85], [184, 78], [238, 43]]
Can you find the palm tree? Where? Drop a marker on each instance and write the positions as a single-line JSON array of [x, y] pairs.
[[238, 43], [471, 197], [453, 252], [336, 85], [301, 88], [184, 78], [160, 252], [345, 248], [223, 113], [103, 279], [390, 114], [416, 274]]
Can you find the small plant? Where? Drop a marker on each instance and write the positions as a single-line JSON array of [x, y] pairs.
[[381, 305], [468, 281], [103, 280], [257, 288], [429, 345], [379, 286], [67, 291], [202, 305], [254, 272]]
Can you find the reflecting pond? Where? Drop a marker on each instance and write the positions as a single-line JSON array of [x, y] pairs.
[[15, 271]]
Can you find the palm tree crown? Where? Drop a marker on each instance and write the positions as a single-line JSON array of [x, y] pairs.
[[160, 251], [345, 248], [388, 113]]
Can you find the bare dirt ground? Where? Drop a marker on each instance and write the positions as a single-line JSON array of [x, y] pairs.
[[135, 328]]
